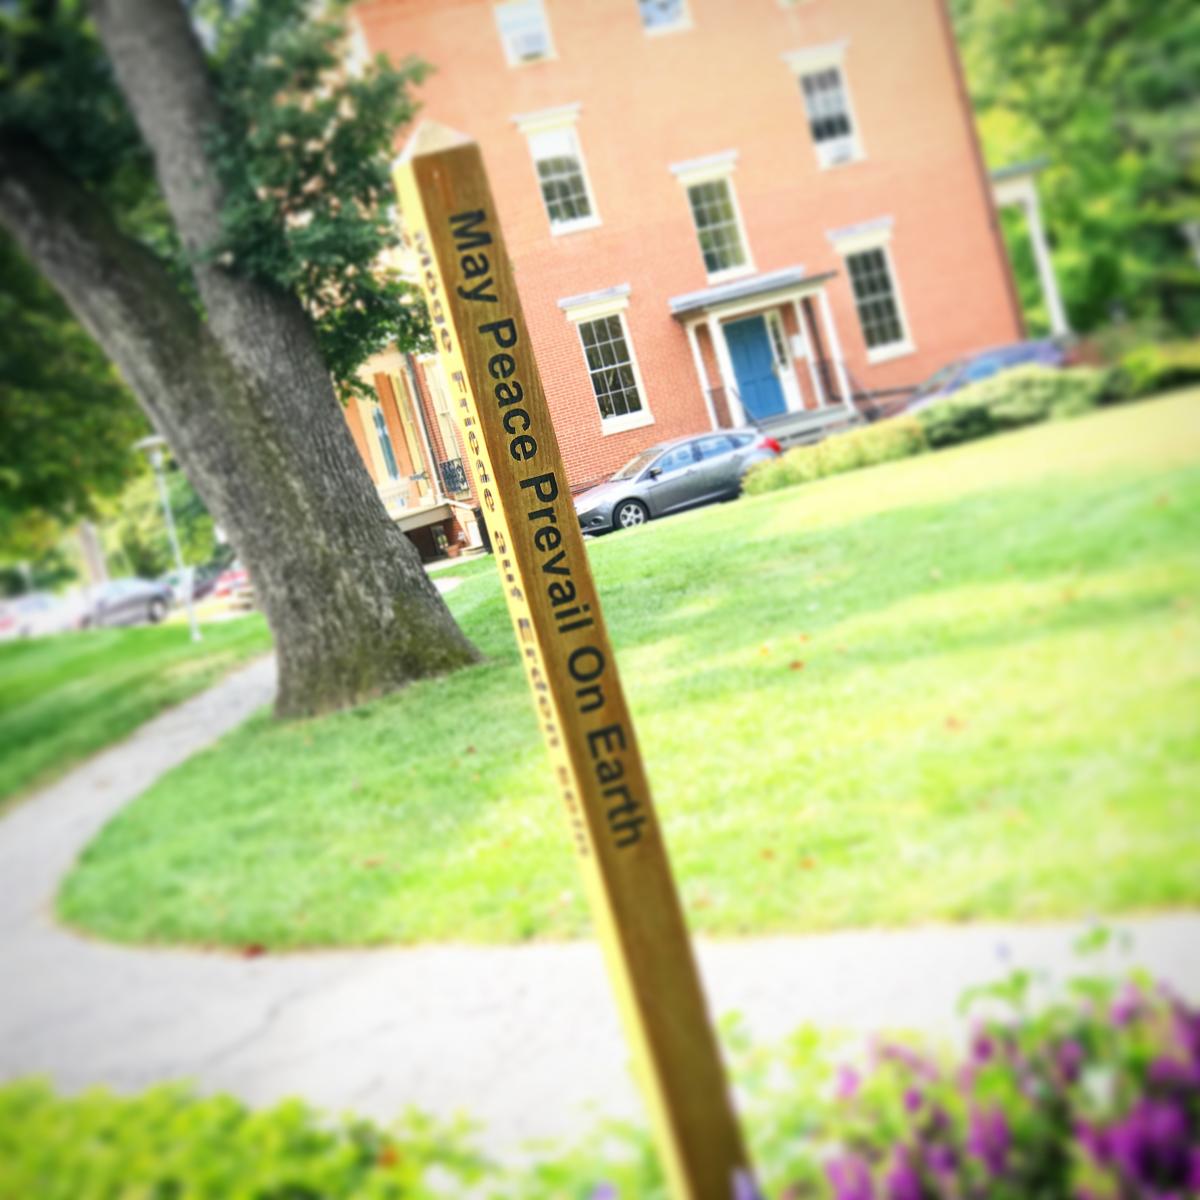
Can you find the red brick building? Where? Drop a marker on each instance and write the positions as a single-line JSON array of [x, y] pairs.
[[718, 211]]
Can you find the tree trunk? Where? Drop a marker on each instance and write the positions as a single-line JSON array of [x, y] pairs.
[[242, 396]]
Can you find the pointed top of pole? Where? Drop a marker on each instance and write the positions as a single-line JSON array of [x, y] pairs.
[[430, 137]]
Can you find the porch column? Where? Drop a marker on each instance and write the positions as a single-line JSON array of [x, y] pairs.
[[809, 357], [701, 374], [835, 350], [737, 413], [1059, 326]]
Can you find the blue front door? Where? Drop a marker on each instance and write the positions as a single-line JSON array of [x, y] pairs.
[[758, 383]]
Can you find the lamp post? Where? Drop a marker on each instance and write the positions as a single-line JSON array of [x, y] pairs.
[[153, 448]]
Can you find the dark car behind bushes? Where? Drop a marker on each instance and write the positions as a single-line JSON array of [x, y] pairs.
[[1044, 353]]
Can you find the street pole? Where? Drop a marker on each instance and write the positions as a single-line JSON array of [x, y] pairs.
[[153, 447]]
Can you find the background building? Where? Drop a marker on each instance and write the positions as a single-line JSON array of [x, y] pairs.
[[718, 211]]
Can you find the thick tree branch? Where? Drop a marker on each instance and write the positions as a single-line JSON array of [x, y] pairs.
[[162, 71], [117, 289]]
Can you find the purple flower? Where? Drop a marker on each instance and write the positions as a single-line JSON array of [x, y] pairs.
[[989, 1139], [1187, 1030], [1172, 1074], [1069, 1059], [744, 1187], [604, 1191], [850, 1177], [903, 1182], [906, 1056], [983, 1047], [942, 1160], [1150, 1145], [1095, 1141], [913, 1099], [1127, 1007], [848, 1081]]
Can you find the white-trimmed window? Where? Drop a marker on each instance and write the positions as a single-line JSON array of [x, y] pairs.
[[385, 442], [608, 354], [821, 75], [712, 201], [877, 300], [664, 16], [524, 31], [561, 173]]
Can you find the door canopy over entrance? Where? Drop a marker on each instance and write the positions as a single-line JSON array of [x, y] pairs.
[[759, 380]]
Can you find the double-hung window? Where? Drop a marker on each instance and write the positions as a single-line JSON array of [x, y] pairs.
[[715, 215], [524, 31], [608, 354], [385, 442], [821, 76], [610, 366], [717, 225], [867, 254], [561, 172], [875, 298], [664, 16]]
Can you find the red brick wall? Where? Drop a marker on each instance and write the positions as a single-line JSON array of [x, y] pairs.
[[648, 102]]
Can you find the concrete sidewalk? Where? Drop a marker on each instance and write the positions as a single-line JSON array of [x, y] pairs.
[[524, 1038]]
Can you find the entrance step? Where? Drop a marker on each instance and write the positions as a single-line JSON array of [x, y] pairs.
[[803, 428]]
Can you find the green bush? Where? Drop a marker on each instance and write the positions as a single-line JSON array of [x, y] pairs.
[[169, 1143], [1152, 368], [1092, 1091], [1023, 396], [899, 437]]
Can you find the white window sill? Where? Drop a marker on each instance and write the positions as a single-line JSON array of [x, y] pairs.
[[676, 27], [565, 227], [636, 420], [516, 63], [731, 273], [882, 354], [833, 164]]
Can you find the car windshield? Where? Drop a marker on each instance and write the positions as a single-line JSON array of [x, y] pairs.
[[638, 464], [939, 379]]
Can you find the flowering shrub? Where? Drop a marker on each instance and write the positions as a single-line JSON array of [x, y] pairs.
[[1097, 1099], [1094, 1098]]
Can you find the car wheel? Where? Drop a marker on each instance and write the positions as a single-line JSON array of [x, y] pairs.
[[630, 513], [156, 611]]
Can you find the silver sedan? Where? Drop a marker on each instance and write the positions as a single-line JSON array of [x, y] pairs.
[[672, 476]]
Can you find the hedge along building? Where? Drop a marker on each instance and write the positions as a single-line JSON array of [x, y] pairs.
[[718, 211]]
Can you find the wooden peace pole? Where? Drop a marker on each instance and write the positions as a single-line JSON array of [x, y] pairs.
[[449, 222]]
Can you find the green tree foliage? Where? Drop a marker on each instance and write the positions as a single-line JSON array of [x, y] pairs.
[[1106, 91], [135, 534], [303, 149], [67, 423]]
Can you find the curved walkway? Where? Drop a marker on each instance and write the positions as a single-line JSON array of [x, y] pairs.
[[524, 1038]]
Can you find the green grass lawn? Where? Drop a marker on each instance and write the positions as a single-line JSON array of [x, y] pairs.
[[63, 698], [962, 685]]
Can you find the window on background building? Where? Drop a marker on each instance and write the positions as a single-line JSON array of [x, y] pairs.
[[385, 442], [875, 298], [717, 226], [611, 366], [524, 31], [829, 117], [561, 176], [661, 16]]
